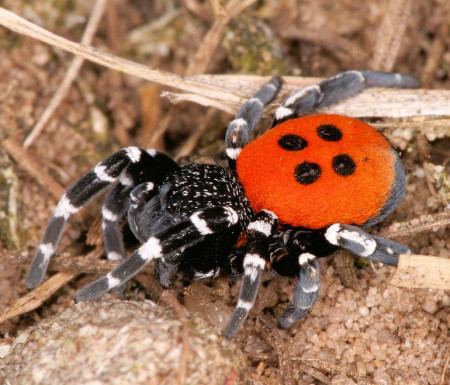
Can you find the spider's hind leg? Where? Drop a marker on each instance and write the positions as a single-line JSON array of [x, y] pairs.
[[113, 210], [337, 88]]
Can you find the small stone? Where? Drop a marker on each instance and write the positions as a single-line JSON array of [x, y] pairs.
[[364, 311], [430, 305], [4, 350]]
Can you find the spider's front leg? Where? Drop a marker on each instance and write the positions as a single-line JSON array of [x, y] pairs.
[[365, 245], [124, 169], [241, 128], [166, 245], [337, 88], [259, 232]]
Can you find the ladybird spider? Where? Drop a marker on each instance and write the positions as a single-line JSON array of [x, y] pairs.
[[298, 192]]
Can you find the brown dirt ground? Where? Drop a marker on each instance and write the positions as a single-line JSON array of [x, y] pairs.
[[373, 333]]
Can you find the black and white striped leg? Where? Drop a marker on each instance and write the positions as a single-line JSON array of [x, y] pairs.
[[139, 196], [366, 245], [165, 245], [113, 210], [104, 174], [306, 291], [240, 130], [337, 88], [259, 232]]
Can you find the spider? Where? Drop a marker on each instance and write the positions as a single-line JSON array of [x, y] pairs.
[[310, 184]]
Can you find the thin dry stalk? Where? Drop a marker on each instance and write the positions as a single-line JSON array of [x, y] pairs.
[[33, 167], [197, 8], [376, 102], [211, 41], [20, 25], [113, 27], [190, 144], [72, 73], [221, 91], [347, 52], [437, 49], [427, 222], [390, 34]]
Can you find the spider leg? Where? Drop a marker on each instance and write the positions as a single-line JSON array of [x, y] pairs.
[[165, 245], [166, 271], [113, 210], [139, 196], [259, 232], [337, 88], [103, 175], [306, 291], [240, 129], [366, 245]]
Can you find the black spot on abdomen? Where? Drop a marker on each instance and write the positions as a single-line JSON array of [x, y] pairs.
[[307, 173], [329, 132], [344, 165], [292, 142]]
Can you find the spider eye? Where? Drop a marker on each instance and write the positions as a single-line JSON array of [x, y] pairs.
[[329, 133], [292, 142], [307, 173], [343, 165]]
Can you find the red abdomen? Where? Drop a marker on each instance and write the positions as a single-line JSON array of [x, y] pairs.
[[321, 169]]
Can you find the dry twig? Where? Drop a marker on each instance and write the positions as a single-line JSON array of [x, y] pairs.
[[211, 41], [37, 297], [344, 50], [220, 91], [189, 144], [427, 222], [20, 25], [31, 165], [436, 51], [390, 34], [72, 73]]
